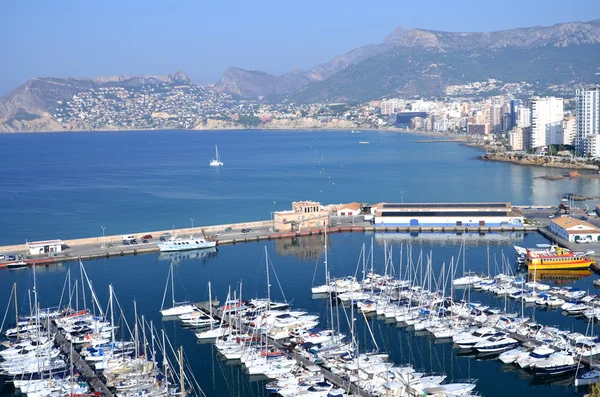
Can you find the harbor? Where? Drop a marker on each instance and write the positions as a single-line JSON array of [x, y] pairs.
[[240, 191]]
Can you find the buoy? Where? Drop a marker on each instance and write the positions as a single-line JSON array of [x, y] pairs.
[[134, 252], [122, 253]]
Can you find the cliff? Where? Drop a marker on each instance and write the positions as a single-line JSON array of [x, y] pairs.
[[541, 161]]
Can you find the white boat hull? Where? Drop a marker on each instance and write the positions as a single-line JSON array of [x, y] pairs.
[[189, 245]]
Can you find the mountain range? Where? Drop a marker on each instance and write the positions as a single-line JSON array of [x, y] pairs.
[[409, 62], [423, 62]]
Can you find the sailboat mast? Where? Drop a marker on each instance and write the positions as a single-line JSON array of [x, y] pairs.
[[16, 310], [326, 269], [268, 281], [112, 317], [181, 371], [210, 301], [488, 261], [172, 285]]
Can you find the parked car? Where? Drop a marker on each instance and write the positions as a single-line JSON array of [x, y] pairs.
[[147, 237], [228, 229], [126, 242], [11, 258], [583, 218], [164, 236], [2, 257], [144, 241], [551, 216], [245, 230], [133, 242]]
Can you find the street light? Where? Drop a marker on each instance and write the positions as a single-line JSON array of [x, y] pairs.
[[103, 238], [402, 195], [192, 220], [272, 220]]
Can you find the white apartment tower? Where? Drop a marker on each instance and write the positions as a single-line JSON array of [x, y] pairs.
[[546, 121], [587, 117], [523, 117]]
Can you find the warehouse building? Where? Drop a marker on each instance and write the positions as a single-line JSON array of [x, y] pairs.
[[572, 229], [448, 214]]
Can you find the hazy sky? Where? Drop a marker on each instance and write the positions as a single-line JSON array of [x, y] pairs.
[[75, 38]]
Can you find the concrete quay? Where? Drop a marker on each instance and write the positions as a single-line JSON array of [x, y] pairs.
[[111, 246]]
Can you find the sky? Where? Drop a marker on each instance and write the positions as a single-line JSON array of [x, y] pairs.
[[74, 38]]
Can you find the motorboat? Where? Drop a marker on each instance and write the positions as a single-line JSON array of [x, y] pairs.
[[16, 265], [467, 340], [557, 364], [512, 355], [495, 343], [185, 244], [588, 378], [466, 281], [539, 353]]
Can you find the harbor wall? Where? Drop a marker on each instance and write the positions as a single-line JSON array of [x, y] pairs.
[[156, 234]]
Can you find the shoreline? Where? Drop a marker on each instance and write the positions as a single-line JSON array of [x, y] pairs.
[[458, 137], [539, 161]]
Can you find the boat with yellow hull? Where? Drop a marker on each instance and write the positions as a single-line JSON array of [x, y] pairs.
[[556, 258]]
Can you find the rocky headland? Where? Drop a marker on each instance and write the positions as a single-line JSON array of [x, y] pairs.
[[541, 161]]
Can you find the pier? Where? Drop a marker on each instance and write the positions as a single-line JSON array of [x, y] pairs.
[[336, 380], [79, 364]]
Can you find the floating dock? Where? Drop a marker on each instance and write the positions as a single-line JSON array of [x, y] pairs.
[[336, 380], [79, 364]]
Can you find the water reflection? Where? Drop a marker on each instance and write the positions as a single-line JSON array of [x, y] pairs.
[[306, 247], [560, 277], [450, 238], [194, 255]]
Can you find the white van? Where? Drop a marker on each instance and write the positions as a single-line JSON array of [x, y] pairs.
[[129, 238]]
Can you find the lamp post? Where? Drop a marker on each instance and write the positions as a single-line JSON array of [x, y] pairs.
[[192, 220], [402, 196], [272, 220], [103, 237]]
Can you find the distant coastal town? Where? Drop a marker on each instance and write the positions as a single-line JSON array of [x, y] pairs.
[[538, 125]]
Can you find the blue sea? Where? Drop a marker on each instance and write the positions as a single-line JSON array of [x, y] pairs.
[[68, 185]]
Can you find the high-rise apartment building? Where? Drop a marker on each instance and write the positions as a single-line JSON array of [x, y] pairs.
[[523, 119], [546, 121], [587, 118]]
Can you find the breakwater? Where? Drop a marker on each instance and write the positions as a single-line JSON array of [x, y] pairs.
[[111, 246]]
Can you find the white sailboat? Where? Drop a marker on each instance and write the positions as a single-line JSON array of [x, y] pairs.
[[216, 162], [178, 308]]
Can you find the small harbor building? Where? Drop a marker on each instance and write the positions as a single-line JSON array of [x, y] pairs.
[[351, 209], [448, 215], [304, 215], [44, 247], [576, 230]]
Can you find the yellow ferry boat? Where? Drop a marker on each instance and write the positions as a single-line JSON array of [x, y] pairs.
[[556, 258]]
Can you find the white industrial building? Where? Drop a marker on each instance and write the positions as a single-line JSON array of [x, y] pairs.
[[44, 247], [546, 121], [572, 229], [449, 215]]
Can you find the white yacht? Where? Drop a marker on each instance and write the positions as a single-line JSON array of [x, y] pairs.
[[216, 162], [184, 244]]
